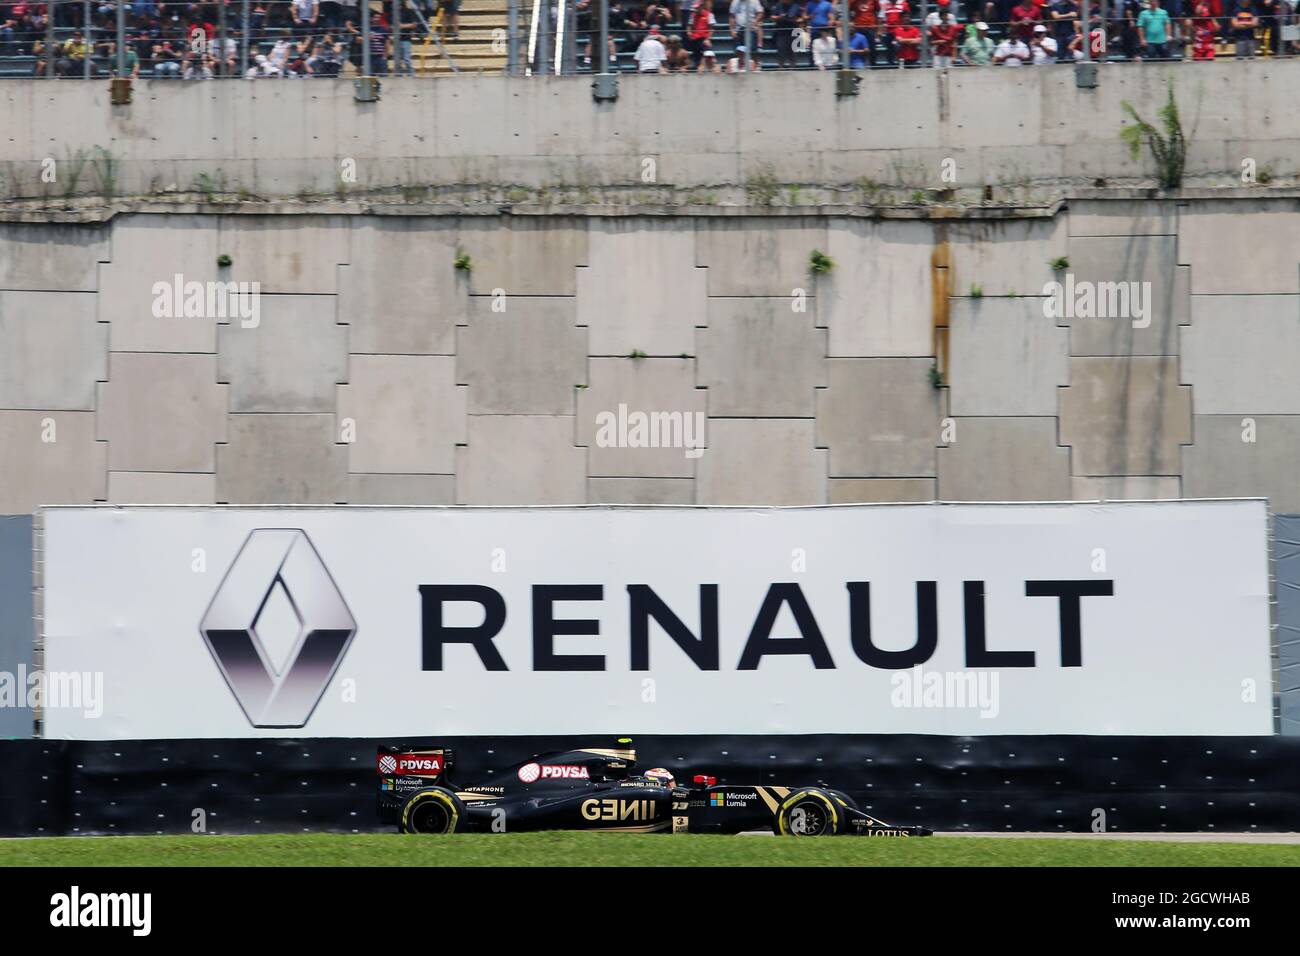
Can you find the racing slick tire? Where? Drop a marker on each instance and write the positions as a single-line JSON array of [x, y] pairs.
[[843, 798], [810, 812], [432, 810]]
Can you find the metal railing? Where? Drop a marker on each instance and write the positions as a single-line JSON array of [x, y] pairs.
[[259, 39], [241, 38]]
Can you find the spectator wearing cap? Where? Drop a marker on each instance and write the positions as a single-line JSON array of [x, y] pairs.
[[1244, 23], [709, 63], [747, 15], [651, 54], [678, 60], [1064, 15], [1012, 51], [944, 31], [698, 36], [1042, 48]]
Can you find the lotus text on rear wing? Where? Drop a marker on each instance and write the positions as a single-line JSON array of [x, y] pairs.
[[700, 643]]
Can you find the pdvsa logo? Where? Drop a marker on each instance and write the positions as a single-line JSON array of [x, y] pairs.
[[532, 772]]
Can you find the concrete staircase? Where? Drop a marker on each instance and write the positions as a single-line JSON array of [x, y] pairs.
[[472, 52]]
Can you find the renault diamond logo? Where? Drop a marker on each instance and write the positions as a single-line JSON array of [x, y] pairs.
[[278, 568]]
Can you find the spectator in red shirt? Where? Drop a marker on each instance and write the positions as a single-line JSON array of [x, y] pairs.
[[1024, 17], [907, 37], [943, 42]]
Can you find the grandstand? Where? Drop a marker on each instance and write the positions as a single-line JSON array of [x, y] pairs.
[[483, 43]]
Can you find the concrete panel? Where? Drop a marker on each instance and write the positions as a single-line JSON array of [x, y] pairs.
[[1146, 271], [1005, 257], [524, 256], [1005, 357], [521, 460], [641, 491], [880, 418], [292, 360], [161, 488], [1004, 459], [1241, 354], [1122, 218], [1125, 416], [281, 459], [1232, 458], [656, 401], [759, 257], [401, 489], [50, 458], [525, 360], [161, 412], [401, 294], [878, 298], [51, 257], [286, 256], [793, 469], [642, 290], [1240, 247], [407, 411], [850, 490], [52, 351], [154, 258], [760, 357], [1126, 488]]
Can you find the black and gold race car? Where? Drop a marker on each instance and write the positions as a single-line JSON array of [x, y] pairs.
[[599, 788]]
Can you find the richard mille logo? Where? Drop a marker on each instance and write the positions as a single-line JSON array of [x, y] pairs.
[[278, 582]]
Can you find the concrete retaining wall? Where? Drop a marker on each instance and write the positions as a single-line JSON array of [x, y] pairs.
[[921, 366], [499, 139]]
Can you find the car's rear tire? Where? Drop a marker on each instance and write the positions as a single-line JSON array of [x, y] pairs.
[[432, 810], [809, 813]]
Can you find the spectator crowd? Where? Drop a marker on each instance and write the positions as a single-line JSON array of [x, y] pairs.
[[684, 35], [284, 38], [306, 38]]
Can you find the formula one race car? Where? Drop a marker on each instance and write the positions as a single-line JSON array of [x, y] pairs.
[[599, 789]]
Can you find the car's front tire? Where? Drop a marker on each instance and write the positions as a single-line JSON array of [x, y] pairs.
[[432, 810], [809, 813]]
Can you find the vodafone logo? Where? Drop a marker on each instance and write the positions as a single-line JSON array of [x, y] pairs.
[[532, 772]]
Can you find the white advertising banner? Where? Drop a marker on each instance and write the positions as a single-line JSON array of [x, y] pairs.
[[1123, 618]]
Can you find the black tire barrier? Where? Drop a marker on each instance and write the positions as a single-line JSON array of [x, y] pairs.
[[1022, 783]]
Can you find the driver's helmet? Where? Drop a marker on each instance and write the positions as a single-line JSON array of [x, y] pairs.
[[660, 776]]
